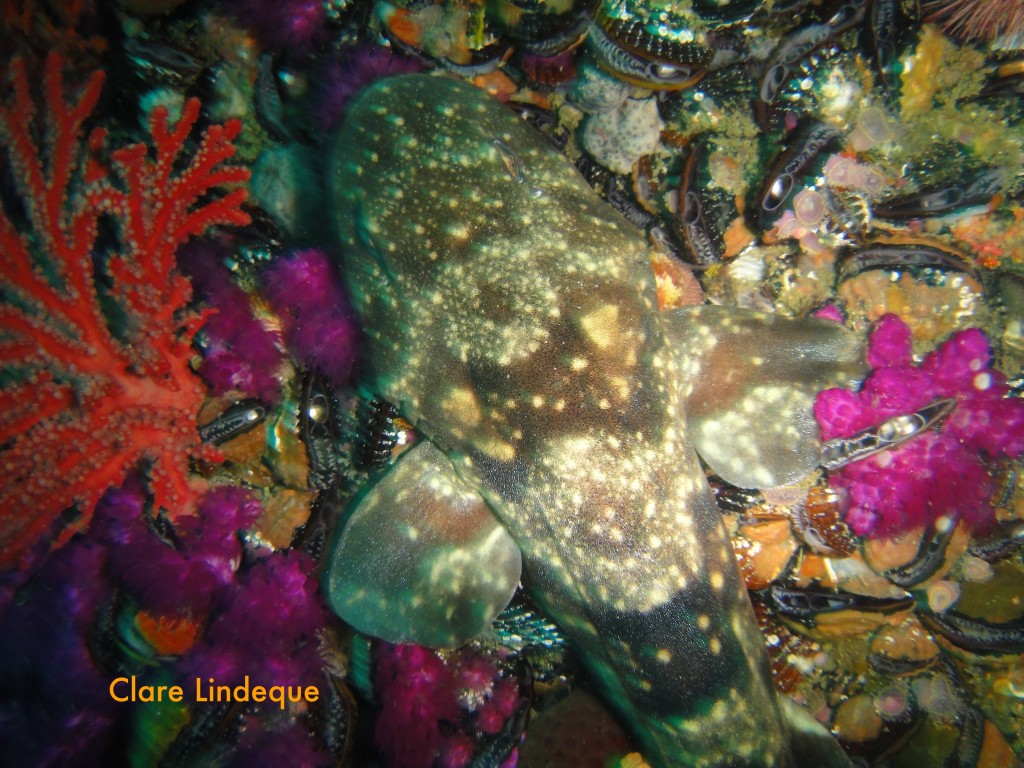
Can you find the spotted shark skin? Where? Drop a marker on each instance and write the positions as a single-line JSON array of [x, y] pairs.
[[512, 318]]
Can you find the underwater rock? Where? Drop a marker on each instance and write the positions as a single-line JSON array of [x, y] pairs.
[[577, 732]]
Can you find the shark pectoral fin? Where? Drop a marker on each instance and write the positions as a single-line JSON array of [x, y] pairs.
[[751, 379], [421, 558], [811, 743]]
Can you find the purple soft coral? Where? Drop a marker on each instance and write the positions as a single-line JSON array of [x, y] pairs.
[[306, 292], [432, 708], [239, 353], [938, 473], [182, 580], [54, 706], [294, 26], [268, 622], [343, 78]]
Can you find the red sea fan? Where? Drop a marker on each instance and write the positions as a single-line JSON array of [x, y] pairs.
[[94, 335]]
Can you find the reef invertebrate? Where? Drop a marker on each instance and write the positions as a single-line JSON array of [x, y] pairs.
[[549, 394], [241, 352], [977, 19], [341, 78], [294, 26], [445, 709], [96, 378], [170, 606], [319, 328], [938, 473]]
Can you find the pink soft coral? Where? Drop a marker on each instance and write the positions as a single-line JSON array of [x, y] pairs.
[[434, 710], [319, 325], [937, 473]]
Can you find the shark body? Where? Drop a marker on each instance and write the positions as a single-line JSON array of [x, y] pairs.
[[512, 318]]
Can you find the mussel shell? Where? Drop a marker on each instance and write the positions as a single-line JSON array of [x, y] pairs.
[[704, 211], [334, 718], [313, 536], [888, 29], [208, 732], [619, 194], [641, 70], [899, 256], [550, 33], [267, 100], [806, 604], [729, 49], [904, 649], [378, 434], [484, 60], [726, 11], [931, 556], [733, 500], [238, 418], [159, 61], [976, 189], [862, 731], [806, 146], [1000, 544], [1007, 80], [548, 71], [319, 428], [977, 635], [637, 37]]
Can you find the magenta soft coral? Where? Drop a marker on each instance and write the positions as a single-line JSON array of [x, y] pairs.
[[434, 709], [181, 580], [342, 78], [262, 617], [91, 392], [293, 26], [941, 472], [241, 353], [319, 326], [265, 626]]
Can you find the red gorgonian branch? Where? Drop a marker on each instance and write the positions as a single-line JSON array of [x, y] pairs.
[[95, 331]]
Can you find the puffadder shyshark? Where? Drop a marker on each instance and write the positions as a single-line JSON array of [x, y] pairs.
[[512, 318]]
